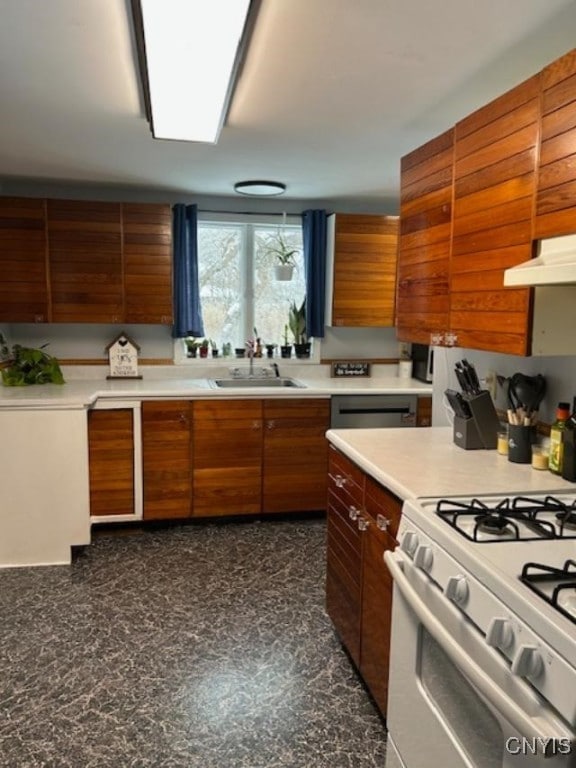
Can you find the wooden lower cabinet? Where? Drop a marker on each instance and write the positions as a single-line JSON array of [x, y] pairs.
[[111, 461], [166, 459], [227, 457], [295, 457], [363, 520]]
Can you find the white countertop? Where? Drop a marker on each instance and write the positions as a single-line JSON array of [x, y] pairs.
[[84, 393], [424, 462]]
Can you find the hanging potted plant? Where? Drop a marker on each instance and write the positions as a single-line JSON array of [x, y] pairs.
[[284, 267], [297, 323]]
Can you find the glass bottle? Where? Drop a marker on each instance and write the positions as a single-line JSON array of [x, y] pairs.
[[569, 449], [556, 446]]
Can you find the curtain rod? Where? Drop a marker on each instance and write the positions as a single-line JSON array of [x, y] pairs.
[[249, 213]]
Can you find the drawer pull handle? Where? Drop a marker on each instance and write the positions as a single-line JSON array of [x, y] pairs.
[[353, 512], [382, 522], [338, 480]]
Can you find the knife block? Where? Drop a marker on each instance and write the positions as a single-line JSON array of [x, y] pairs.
[[481, 429]]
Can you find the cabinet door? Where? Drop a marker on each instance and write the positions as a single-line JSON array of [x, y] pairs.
[[422, 306], [227, 457], [376, 614], [295, 455], [495, 180], [556, 197], [424, 412], [85, 256], [111, 461], [166, 458], [24, 287], [365, 256], [382, 511], [344, 551], [147, 253]]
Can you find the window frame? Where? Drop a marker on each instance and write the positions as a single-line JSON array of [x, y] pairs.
[[247, 285]]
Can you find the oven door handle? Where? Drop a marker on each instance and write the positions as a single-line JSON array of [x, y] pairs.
[[523, 723]]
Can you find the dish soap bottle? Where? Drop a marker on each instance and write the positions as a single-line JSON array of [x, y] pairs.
[[556, 430]]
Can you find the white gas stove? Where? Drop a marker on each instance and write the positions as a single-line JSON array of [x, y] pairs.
[[492, 580]]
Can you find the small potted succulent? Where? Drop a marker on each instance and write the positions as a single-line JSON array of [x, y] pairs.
[[214, 348], [204, 346], [192, 345]]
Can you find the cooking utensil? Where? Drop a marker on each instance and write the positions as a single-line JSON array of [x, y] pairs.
[[529, 391]]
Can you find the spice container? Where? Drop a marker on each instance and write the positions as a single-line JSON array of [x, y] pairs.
[[502, 444], [540, 457]]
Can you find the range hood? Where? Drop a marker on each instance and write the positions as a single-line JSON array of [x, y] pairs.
[[555, 264]]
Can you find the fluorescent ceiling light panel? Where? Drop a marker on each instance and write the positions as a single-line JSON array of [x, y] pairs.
[[191, 49]]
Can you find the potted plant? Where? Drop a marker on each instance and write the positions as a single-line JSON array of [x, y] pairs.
[[297, 323], [284, 267], [214, 348], [204, 345], [286, 349], [192, 345], [270, 349], [24, 366]]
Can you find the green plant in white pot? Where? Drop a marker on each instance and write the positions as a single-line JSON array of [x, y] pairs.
[[284, 266], [24, 366]]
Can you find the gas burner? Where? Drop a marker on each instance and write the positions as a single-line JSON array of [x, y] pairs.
[[557, 586], [567, 519], [494, 524]]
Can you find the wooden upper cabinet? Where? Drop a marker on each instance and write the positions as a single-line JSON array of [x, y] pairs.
[[295, 455], [364, 254], [85, 261], [495, 158], [423, 303], [147, 251], [166, 459], [556, 195], [24, 286]]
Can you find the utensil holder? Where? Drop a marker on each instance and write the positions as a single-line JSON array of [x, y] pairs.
[[481, 430], [520, 443]]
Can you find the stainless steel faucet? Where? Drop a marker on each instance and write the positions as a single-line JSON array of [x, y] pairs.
[[251, 358]]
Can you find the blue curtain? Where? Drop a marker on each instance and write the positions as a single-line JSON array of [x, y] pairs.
[[314, 238], [187, 308]]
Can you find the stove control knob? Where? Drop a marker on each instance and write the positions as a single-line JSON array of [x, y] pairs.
[[424, 557], [457, 589], [527, 662], [409, 543], [500, 633]]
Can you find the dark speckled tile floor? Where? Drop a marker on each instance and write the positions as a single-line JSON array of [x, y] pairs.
[[191, 646]]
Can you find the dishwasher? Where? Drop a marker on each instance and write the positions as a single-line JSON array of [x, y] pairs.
[[366, 411]]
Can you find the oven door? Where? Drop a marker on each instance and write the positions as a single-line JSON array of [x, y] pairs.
[[452, 699]]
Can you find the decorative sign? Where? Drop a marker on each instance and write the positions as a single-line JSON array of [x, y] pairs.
[[123, 358], [351, 368]]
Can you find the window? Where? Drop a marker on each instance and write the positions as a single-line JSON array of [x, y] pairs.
[[238, 288]]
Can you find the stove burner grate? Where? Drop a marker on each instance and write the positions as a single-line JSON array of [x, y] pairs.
[[537, 575], [502, 520]]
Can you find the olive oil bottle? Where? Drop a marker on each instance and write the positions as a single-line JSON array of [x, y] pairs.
[[556, 445]]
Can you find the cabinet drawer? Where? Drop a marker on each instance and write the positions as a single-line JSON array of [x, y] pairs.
[[345, 478], [382, 505]]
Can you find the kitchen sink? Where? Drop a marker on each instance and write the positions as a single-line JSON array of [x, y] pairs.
[[255, 383]]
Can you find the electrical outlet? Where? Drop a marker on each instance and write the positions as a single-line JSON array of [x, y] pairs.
[[491, 383]]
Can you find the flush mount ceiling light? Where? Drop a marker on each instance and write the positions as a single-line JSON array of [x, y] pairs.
[[190, 53], [260, 188]]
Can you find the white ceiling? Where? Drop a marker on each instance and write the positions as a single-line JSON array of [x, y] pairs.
[[332, 94]]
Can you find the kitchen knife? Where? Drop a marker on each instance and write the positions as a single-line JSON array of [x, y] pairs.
[[458, 404], [472, 376], [462, 379]]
